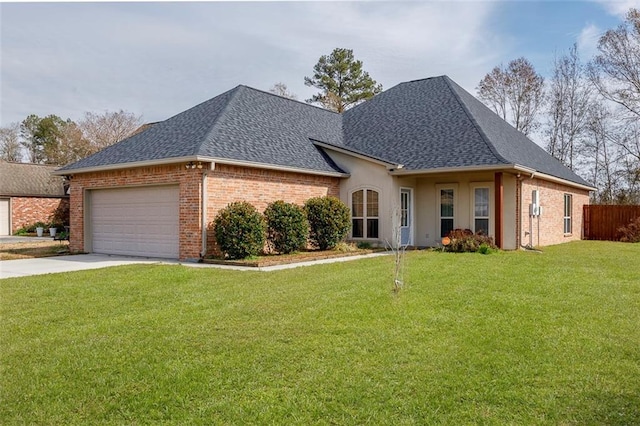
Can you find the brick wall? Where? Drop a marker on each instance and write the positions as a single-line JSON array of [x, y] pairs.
[[225, 185], [29, 210], [260, 187], [188, 180], [548, 228]]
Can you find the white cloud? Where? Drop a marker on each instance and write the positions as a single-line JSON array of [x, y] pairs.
[[161, 58], [588, 41], [619, 8]]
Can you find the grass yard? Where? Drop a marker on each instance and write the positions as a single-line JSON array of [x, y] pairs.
[[509, 338]]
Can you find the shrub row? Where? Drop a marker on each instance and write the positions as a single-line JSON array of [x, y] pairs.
[[464, 240], [241, 231]]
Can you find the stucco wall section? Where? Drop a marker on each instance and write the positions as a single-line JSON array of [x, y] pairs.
[[548, 228], [227, 184], [29, 210], [427, 193], [369, 175], [189, 181]]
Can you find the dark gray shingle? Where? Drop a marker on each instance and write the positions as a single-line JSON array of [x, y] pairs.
[[422, 124], [242, 124], [434, 123]]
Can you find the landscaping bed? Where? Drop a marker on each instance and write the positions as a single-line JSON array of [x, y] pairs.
[[284, 259], [32, 249]]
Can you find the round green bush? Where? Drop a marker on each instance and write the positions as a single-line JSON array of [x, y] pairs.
[[329, 221], [240, 230], [287, 226]]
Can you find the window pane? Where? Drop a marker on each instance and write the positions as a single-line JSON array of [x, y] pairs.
[[446, 226], [482, 225], [446, 203], [372, 228], [357, 204], [404, 209], [567, 225], [372, 203], [356, 228], [567, 205], [482, 202]]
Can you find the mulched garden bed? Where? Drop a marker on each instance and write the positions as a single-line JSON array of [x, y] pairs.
[[283, 259]]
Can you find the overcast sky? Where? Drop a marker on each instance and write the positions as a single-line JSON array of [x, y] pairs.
[[158, 59]]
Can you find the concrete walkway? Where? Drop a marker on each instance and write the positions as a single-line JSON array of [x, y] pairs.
[[80, 262]]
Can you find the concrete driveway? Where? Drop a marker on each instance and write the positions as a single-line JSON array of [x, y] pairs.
[[79, 262]]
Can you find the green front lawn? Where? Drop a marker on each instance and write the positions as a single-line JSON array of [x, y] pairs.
[[508, 338]]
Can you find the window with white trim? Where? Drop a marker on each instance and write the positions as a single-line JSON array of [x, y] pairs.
[[364, 214], [481, 210], [446, 211], [568, 203]]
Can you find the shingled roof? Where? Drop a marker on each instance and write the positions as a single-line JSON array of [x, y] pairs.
[[23, 179], [424, 124], [243, 124], [435, 124]]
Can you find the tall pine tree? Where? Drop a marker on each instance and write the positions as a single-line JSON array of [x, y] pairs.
[[341, 81]]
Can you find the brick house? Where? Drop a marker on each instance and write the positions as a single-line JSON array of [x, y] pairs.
[[29, 193], [422, 158]]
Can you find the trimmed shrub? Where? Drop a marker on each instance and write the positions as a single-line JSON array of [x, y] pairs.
[[329, 221], [240, 230], [631, 232], [287, 226], [465, 241]]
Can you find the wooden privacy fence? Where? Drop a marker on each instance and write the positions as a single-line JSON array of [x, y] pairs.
[[601, 222]]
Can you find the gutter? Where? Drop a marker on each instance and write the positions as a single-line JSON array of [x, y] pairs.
[[506, 167], [194, 158], [487, 168]]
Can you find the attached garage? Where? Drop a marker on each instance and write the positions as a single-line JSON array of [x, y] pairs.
[[136, 221], [4, 217]]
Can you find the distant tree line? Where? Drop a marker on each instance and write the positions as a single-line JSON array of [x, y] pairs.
[[587, 114], [53, 140]]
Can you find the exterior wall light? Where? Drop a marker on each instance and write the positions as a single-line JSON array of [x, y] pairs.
[[192, 165]]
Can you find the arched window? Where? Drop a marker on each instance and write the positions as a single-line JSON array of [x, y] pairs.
[[364, 213]]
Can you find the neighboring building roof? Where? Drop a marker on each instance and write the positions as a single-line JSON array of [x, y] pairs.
[[23, 179], [423, 124]]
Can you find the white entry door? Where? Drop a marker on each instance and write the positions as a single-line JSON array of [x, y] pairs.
[[406, 216]]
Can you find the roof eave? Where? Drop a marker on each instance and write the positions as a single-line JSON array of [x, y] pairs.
[[494, 167], [556, 179], [484, 168], [174, 160], [267, 166]]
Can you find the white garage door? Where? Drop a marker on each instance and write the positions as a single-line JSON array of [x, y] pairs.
[[136, 221], [4, 216]]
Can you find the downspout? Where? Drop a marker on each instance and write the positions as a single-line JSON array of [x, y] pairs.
[[203, 210]]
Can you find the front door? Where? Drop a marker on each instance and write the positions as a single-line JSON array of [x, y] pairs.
[[406, 219]]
